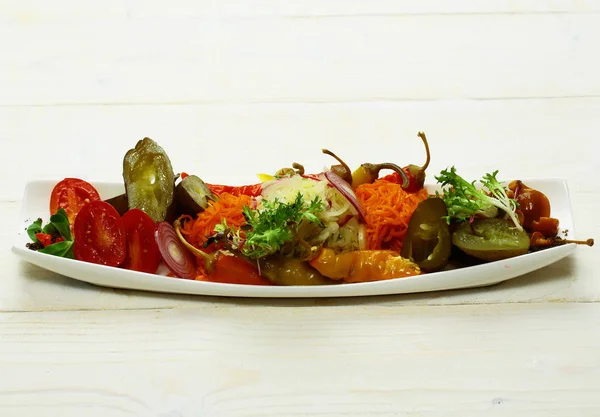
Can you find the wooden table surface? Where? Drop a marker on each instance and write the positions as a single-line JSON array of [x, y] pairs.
[[234, 88]]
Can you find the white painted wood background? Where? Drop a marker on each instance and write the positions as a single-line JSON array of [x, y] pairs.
[[233, 88]]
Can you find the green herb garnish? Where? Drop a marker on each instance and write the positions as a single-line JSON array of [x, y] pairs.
[[58, 227], [34, 228], [276, 224], [464, 200]]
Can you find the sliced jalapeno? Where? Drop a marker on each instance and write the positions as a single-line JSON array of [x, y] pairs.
[[428, 242]]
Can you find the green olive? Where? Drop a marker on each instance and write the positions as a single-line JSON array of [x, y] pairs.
[[491, 239], [428, 242]]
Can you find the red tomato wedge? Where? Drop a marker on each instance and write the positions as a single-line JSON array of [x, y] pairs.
[[142, 251], [99, 235], [72, 194]]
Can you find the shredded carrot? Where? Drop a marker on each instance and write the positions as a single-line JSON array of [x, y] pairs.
[[388, 211], [228, 207]]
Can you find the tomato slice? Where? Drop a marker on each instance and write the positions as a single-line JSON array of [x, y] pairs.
[[72, 194], [142, 251], [99, 234]]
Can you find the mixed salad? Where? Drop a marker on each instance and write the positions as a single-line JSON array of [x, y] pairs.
[[292, 227]]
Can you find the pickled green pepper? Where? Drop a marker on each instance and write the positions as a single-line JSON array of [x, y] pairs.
[[428, 241], [149, 179]]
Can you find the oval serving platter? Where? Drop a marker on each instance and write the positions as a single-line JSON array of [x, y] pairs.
[[35, 204]]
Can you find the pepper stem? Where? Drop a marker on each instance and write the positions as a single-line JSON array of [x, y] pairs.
[[209, 260], [375, 168], [538, 239], [299, 168], [348, 174], [424, 138], [589, 242]]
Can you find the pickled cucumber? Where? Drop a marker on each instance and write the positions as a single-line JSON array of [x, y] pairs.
[[490, 239]]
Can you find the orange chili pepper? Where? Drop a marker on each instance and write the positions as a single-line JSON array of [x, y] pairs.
[[363, 265]]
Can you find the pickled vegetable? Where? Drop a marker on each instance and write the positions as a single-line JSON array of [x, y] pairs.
[[548, 226], [412, 177], [173, 252], [490, 239], [538, 241], [415, 173], [342, 169], [192, 195], [363, 265], [533, 203], [283, 270], [149, 179], [428, 241], [232, 269], [367, 173]]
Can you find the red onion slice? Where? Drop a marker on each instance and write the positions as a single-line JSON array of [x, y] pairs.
[[176, 257], [346, 190]]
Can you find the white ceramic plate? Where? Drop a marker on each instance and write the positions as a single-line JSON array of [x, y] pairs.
[[36, 201]]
